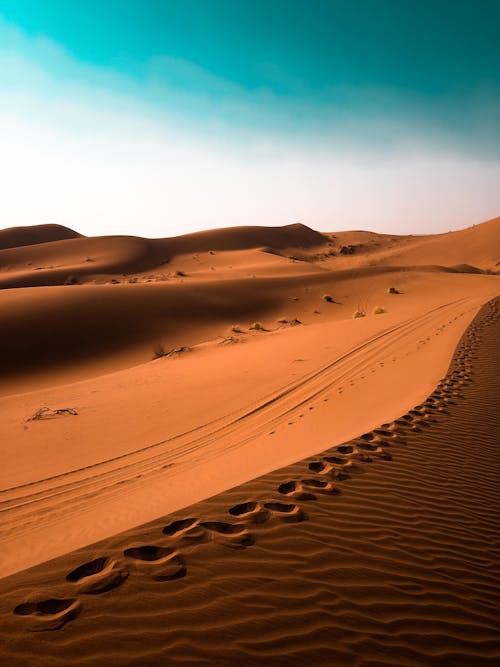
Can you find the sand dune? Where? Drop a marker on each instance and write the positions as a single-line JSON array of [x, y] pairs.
[[66, 258], [475, 246], [143, 376], [368, 554], [27, 236]]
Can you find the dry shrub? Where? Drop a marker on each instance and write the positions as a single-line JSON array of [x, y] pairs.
[[160, 351], [257, 326], [49, 413], [289, 323]]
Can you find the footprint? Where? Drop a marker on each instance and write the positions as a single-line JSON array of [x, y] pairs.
[[289, 488], [335, 460], [367, 446], [286, 511], [180, 526], [321, 486], [149, 553], [166, 565], [318, 483], [236, 536], [244, 508], [345, 449], [50, 614], [222, 527], [316, 466], [174, 568], [98, 576], [251, 511], [385, 433]]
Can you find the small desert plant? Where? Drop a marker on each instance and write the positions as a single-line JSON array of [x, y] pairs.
[[393, 290], [49, 413], [289, 323], [180, 274], [328, 298], [237, 329], [359, 313], [257, 326], [159, 351], [379, 310]]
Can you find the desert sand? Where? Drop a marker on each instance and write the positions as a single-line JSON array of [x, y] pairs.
[[249, 446]]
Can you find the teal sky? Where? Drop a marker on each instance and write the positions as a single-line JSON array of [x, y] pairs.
[[347, 105]]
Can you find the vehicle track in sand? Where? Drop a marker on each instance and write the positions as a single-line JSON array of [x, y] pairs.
[[45, 501]]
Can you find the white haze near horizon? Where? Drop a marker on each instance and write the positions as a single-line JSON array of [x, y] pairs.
[[100, 164], [148, 182]]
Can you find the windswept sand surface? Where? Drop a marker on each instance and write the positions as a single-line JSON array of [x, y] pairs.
[[135, 384]]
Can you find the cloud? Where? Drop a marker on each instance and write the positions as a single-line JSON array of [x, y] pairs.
[[343, 118], [176, 149]]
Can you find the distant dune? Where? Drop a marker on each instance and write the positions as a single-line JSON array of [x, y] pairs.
[[26, 236], [111, 300], [143, 376]]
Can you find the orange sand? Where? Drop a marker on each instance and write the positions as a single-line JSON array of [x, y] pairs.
[[83, 318]]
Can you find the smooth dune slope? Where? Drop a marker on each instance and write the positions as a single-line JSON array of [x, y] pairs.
[[379, 551], [467, 249]]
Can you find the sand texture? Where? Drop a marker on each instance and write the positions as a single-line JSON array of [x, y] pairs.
[[221, 464]]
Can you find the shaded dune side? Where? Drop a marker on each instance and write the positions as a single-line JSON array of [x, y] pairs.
[[59, 262], [65, 326], [61, 326], [26, 236], [78, 258], [380, 551]]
